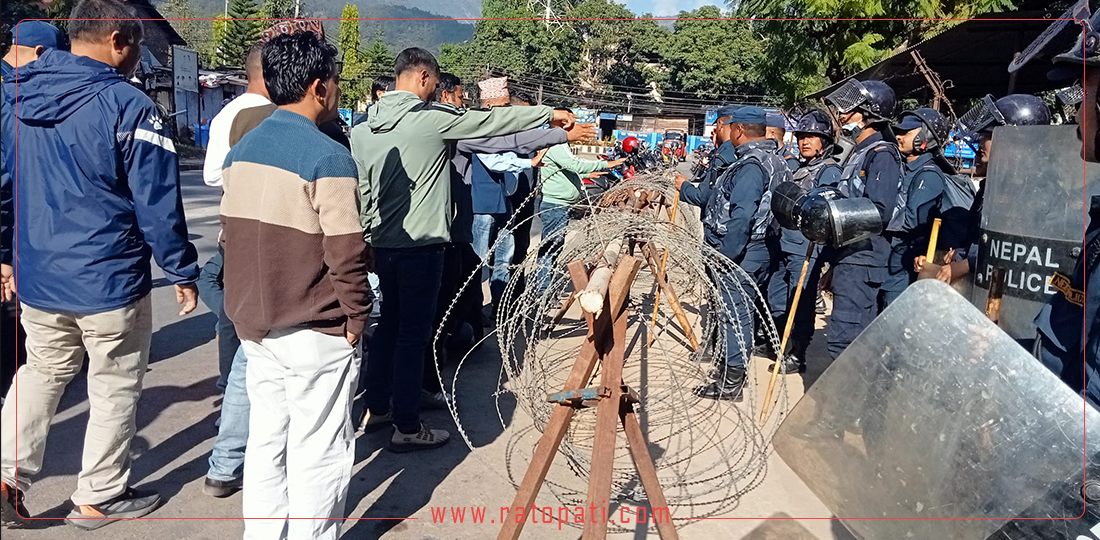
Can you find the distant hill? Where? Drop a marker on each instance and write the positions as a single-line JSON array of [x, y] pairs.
[[398, 34]]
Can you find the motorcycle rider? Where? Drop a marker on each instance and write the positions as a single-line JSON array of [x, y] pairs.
[[871, 170], [817, 167]]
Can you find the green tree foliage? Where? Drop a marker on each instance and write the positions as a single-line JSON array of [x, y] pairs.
[[377, 59], [615, 49], [219, 27], [530, 49], [713, 57], [242, 31], [273, 11], [354, 84], [815, 52]]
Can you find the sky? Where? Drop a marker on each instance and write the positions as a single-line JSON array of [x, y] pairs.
[[667, 7]]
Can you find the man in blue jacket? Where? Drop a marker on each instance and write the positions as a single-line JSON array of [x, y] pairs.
[[29, 40], [99, 196]]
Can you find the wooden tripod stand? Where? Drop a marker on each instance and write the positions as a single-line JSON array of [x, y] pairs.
[[606, 343]]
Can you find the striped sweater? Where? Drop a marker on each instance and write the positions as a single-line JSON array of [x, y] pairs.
[[294, 248]]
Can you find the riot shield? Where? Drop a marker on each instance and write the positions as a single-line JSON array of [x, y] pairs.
[[934, 412], [1032, 220]]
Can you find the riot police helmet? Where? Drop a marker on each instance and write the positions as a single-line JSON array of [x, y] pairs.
[[815, 123], [933, 128], [1011, 110], [875, 99]]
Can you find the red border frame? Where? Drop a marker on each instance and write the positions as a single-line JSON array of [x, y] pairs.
[[1086, 112]]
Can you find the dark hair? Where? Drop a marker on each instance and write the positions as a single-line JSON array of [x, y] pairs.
[[291, 63], [413, 58], [94, 20], [381, 83], [754, 130], [448, 82], [254, 62], [522, 98], [565, 109]]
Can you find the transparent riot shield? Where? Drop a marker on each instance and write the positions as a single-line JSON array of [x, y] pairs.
[[1033, 218], [934, 412]]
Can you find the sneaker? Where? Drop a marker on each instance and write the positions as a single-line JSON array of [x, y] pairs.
[[819, 306], [425, 439], [375, 422], [433, 400], [12, 512], [129, 505], [220, 489]]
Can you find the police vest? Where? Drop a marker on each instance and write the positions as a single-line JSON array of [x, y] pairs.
[[853, 184], [809, 176], [775, 171]]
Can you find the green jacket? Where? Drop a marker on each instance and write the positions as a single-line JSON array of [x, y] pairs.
[[404, 163], [563, 172]]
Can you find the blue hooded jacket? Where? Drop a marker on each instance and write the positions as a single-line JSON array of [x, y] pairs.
[[97, 187]]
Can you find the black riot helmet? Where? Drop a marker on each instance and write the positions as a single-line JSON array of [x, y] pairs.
[[1011, 110], [875, 99], [933, 128], [816, 123]]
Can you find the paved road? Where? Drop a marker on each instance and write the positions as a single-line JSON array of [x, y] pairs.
[[176, 427]]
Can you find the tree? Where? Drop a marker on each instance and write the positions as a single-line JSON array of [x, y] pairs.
[[712, 57], [615, 47], [354, 85], [273, 11], [815, 52], [377, 59], [530, 50], [215, 54], [242, 31]]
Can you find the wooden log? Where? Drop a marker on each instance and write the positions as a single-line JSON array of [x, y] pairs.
[[664, 262], [647, 472], [562, 415], [673, 299], [576, 271], [603, 445], [592, 297]]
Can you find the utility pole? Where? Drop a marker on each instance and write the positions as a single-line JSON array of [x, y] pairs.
[[297, 9]]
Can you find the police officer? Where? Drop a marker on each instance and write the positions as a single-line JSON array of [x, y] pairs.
[[1060, 344], [871, 170], [777, 131], [817, 167], [736, 219], [976, 129], [922, 134], [720, 158]]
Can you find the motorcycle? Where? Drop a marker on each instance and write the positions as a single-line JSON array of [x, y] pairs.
[[638, 158]]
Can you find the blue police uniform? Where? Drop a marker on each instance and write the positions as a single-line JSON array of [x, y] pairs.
[[926, 182], [872, 170], [720, 159], [1059, 343], [793, 164], [736, 221], [823, 171]]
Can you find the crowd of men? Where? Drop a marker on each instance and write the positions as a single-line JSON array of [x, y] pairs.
[[319, 230]]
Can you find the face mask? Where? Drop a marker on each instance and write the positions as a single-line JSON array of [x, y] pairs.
[[850, 129]]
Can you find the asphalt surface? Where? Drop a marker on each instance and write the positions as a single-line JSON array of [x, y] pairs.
[[176, 427]]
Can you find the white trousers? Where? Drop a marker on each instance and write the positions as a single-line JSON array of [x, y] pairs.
[[301, 443]]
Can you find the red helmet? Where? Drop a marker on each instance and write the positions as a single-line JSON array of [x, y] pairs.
[[630, 144]]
